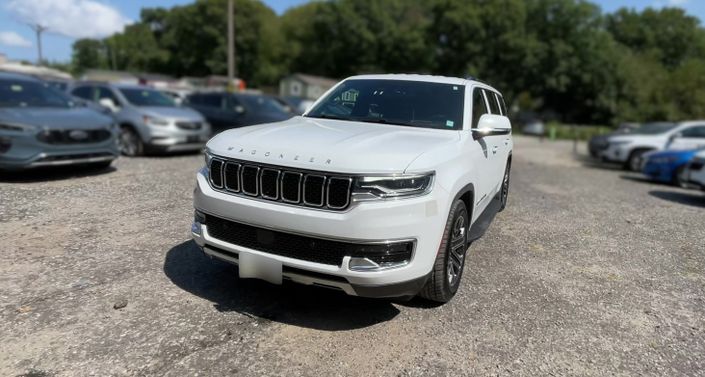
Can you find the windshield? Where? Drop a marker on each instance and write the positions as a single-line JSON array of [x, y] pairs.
[[23, 93], [147, 97], [262, 104], [654, 128], [400, 102]]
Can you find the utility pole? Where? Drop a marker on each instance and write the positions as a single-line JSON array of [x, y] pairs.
[[39, 29], [231, 45]]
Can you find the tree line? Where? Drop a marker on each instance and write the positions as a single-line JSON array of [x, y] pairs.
[[565, 59]]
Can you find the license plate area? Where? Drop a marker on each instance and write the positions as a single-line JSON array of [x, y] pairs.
[[254, 266]]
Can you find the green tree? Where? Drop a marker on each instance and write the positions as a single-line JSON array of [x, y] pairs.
[[87, 54]]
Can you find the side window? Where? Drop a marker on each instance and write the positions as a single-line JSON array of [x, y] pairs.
[[694, 132], [492, 100], [104, 92], [194, 99], [85, 92], [212, 100], [479, 107]]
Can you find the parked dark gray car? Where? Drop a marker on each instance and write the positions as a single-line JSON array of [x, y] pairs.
[[231, 110], [40, 126]]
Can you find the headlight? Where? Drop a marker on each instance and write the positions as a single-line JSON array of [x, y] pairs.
[[17, 127], [392, 187], [152, 121]]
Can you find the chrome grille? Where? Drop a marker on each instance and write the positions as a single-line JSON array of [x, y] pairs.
[[274, 183]]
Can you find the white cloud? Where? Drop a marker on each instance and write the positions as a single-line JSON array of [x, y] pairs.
[[72, 18], [676, 3], [12, 39]]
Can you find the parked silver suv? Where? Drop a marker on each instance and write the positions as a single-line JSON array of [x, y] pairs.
[[40, 127], [149, 120]]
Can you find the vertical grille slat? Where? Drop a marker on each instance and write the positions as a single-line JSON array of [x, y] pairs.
[[280, 184], [249, 180], [231, 176], [314, 190], [269, 183], [216, 173], [291, 187]]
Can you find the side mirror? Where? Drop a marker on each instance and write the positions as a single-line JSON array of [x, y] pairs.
[[108, 103], [491, 125]]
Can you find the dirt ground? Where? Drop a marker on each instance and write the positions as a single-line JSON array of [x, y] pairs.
[[589, 271]]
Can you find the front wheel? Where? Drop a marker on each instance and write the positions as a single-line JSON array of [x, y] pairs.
[[450, 260], [129, 142], [634, 160]]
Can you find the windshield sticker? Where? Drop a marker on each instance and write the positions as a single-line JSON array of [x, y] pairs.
[[449, 123], [16, 88]]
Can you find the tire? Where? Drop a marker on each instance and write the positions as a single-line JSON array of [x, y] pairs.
[[100, 165], [678, 178], [504, 190], [633, 163], [447, 271], [129, 142]]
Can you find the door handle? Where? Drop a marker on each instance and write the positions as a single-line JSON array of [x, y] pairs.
[[494, 149]]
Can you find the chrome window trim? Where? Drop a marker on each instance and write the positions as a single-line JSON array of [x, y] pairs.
[[276, 184]]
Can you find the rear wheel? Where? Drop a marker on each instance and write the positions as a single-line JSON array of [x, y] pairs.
[[129, 142], [679, 178], [504, 191], [450, 260]]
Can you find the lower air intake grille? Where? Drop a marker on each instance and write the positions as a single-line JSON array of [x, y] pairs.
[[305, 248]]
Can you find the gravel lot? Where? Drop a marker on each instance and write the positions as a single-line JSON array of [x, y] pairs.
[[589, 271]]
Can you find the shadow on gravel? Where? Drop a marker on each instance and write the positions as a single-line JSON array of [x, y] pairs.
[[593, 163], [641, 179], [53, 174], [291, 303], [695, 199]]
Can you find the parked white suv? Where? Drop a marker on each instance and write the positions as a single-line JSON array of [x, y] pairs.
[[377, 190], [628, 149]]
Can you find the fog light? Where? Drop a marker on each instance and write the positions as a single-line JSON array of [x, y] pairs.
[[196, 228], [362, 264]]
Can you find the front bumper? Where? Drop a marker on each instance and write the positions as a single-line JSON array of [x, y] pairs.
[[420, 219], [173, 139], [25, 151], [659, 171], [615, 153]]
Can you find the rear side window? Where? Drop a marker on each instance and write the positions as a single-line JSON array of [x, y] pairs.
[[479, 107], [492, 100], [107, 93], [212, 100], [85, 92], [694, 132]]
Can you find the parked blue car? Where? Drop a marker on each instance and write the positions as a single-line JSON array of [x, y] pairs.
[[667, 166]]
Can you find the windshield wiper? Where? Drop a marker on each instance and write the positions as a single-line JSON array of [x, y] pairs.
[[325, 116], [384, 121]]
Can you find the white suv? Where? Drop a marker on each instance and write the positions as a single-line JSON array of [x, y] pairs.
[[629, 149], [377, 190]]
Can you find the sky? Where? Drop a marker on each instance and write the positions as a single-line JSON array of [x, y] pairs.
[[68, 20]]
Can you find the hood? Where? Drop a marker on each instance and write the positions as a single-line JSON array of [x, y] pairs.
[[169, 112], [331, 145], [74, 117], [680, 154]]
